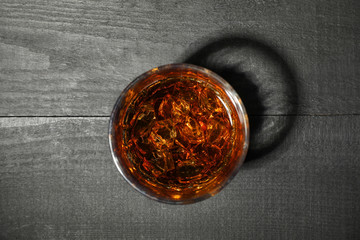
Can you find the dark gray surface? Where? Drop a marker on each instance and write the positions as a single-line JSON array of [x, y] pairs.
[[294, 63], [75, 57], [58, 181]]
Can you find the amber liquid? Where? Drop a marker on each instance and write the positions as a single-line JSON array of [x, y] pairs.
[[178, 133]]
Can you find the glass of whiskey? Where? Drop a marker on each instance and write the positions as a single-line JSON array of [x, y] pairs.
[[179, 133]]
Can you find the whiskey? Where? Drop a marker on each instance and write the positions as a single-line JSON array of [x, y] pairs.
[[178, 134]]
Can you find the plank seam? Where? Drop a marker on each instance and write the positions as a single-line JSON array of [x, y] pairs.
[[250, 115]]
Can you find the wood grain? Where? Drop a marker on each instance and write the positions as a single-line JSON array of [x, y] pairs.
[[58, 181], [73, 58], [69, 60]]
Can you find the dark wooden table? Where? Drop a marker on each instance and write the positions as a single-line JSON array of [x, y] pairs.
[[295, 64]]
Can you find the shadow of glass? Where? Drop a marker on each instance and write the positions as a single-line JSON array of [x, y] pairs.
[[264, 81]]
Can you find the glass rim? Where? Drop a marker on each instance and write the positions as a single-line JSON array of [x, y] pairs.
[[235, 101]]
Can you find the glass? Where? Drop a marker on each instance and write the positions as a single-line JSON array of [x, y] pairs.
[[179, 133]]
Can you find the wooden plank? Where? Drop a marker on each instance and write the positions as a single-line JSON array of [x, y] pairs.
[[58, 181], [74, 58]]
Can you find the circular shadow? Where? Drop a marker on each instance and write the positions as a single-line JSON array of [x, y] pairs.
[[263, 80]]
